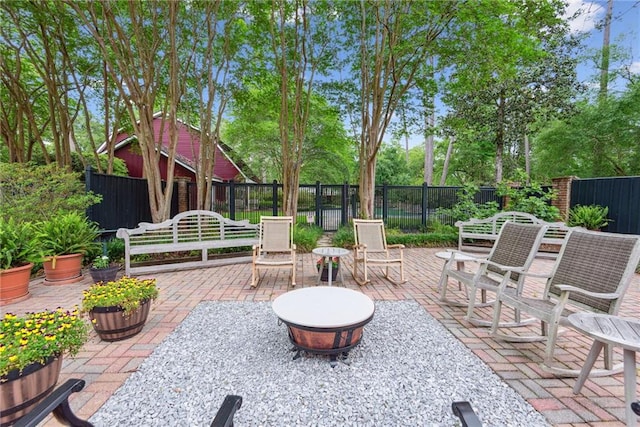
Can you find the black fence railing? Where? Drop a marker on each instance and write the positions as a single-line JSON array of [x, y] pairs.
[[125, 202]]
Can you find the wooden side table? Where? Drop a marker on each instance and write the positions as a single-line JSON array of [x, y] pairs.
[[617, 331]]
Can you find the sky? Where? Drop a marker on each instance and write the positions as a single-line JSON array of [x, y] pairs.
[[625, 32]]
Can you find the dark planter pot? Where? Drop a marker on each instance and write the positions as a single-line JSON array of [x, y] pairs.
[[21, 391], [112, 324], [104, 274], [14, 284], [63, 269], [324, 276]]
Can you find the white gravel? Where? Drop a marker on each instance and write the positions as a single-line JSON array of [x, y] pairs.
[[406, 372]]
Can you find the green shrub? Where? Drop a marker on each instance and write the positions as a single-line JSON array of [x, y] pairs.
[[306, 237], [17, 244], [591, 217], [67, 233], [448, 236], [466, 207], [31, 193], [531, 199]]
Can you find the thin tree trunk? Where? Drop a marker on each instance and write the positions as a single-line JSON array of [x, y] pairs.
[[447, 158]]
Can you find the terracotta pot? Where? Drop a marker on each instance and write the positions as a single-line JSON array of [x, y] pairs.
[[112, 324], [14, 284], [63, 269], [104, 274], [21, 391], [324, 276]]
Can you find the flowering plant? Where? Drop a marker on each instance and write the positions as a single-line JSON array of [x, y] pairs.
[[321, 263], [37, 336], [101, 262], [126, 293]]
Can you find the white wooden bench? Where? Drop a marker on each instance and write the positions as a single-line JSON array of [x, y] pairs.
[[473, 235], [196, 230]]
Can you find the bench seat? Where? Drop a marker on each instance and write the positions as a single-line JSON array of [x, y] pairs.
[[196, 230]]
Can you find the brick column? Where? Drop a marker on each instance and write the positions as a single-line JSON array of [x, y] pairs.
[[562, 187], [183, 193]]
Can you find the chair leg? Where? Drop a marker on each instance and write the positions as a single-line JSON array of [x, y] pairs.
[[253, 276]]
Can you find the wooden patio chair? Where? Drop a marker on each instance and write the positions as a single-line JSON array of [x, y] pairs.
[[371, 250], [592, 273], [511, 255], [275, 248]]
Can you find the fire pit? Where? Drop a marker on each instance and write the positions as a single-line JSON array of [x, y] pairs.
[[324, 320]]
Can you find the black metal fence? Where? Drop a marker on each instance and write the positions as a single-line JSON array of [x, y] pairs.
[[620, 195], [125, 202], [329, 206]]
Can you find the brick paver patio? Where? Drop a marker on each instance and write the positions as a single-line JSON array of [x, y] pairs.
[[105, 366]]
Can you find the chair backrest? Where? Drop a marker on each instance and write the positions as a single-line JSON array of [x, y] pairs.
[[370, 232], [276, 233], [596, 262], [516, 246]]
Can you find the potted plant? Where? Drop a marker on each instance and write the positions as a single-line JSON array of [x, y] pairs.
[[64, 239], [18, 251], [31, 351], [323, 264], [103, 270], [119, 309], [591, 217]]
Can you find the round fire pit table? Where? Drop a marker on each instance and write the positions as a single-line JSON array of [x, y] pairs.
[[324, 320]]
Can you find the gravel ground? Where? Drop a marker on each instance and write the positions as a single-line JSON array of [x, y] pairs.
[[406, 372]]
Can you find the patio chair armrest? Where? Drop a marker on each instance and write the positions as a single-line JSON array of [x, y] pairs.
[[474, 257], [511, 268], [569, 288], [396, 246]]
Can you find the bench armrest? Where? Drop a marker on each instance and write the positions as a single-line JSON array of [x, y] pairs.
[[224, 416], [58, 403], [464, 411]]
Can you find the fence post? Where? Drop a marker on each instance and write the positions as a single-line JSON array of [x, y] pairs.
[[232, 200], [88, 172], [274, 194], [562, 186], [318, 204], [344, 204], [425, 204], [385, 200], [183, 194]]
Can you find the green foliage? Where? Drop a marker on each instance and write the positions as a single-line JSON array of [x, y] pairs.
[[126, 293], [306, 237], [600, 140], [391, 166], [467, 208], [17, 244], [344, 238], [115, 249], [32, 193], [591, 217], [67, 233], [530, 198], [37, 336]]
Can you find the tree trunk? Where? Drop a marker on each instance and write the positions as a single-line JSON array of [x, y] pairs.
[[447, 158], [500, 138], [428, 150]]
